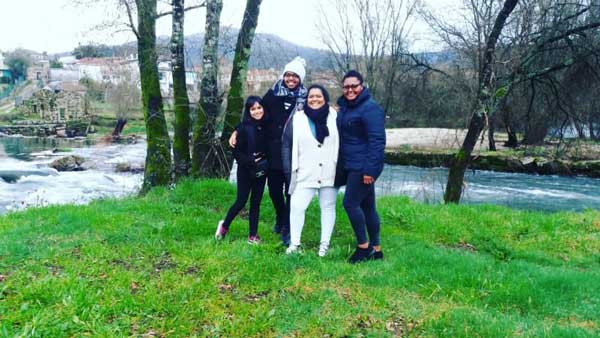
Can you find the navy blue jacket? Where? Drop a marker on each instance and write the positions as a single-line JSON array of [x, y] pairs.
[[279, 109], [361, 123]]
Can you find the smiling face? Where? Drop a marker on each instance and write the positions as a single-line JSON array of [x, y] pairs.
[[291, 80], [352, 88], [256, 111], [315, 98]]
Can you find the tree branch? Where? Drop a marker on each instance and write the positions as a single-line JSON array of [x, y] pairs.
[[130, 16], [203, 4]]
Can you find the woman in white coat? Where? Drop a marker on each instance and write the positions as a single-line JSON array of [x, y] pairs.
[[310, 147]]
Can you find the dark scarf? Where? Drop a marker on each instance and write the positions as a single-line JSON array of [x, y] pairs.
[[279, 89], [319, 118]]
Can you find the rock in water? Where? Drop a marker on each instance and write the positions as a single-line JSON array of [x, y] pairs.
[[126, 167], [69, 163], [12, 175]]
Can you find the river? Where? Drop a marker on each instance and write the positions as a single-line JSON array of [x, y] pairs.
[[35, 184], [46, 186]]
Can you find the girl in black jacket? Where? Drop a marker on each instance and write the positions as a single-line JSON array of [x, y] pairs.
[[251, 155], [286, 95]]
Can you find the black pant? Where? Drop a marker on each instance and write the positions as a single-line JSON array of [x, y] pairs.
[[359, 202], [247, 184], [278, 187]]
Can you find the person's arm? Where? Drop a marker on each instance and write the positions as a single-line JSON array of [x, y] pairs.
[[233, 139], [286, 147], [374, 121]]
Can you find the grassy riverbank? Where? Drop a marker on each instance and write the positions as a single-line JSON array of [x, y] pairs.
[[150, 267]]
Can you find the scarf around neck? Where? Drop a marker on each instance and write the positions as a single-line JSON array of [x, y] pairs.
[[319, 118], [300, 93]]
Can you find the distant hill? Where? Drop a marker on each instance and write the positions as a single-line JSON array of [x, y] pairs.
[[268, 51]]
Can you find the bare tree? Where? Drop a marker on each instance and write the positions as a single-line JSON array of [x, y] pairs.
[[485, 102], [181, 138], [157, 170], [139, 17], [376, 46], [208, 158], [125, 99], [235, 97]]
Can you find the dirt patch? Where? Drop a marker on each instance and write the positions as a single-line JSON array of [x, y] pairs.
[[122, 263], [257, 296], [164, 263]]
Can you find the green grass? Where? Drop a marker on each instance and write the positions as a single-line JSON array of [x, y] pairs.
[[150, 266]]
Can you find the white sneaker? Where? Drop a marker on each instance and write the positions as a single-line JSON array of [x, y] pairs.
[[323, 248], [221, 231], [292, 249]]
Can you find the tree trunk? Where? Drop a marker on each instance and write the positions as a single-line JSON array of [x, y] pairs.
[[121, 122], [513, 141], [491, 127], [579, 127], [485, 104], [157, 170], [208, 159], [181, 139], [235, 98], [536, 131]]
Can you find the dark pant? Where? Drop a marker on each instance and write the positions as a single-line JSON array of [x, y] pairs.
[[247, 184], [278, 187], [359, 202]]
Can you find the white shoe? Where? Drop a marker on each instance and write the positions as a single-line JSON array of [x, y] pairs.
[[221, 231], [292, 249], [323, 248]]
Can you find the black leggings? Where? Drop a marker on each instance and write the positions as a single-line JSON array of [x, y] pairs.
[[246, 185]]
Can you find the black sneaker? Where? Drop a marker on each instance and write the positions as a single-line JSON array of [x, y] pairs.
[[285, 240], [361, 255], [377, 255]]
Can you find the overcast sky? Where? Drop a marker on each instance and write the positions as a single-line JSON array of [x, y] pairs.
[[59, 26]]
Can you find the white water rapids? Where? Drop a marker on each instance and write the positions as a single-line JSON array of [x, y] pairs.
[[35, 184]]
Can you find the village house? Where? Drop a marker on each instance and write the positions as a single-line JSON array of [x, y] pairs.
[[40, 71], [58, 102], [258, 81], [115, 70], [106, 70], [165, 77]]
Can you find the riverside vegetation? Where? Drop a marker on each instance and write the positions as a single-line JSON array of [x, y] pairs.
[[150, 267]]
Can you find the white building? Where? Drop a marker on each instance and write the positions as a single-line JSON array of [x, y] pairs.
[[165, 77], [107, 70]]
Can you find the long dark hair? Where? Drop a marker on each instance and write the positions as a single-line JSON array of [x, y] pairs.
[[251, 101]]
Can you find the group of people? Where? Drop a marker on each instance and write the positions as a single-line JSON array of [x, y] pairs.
[[293, 141]]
